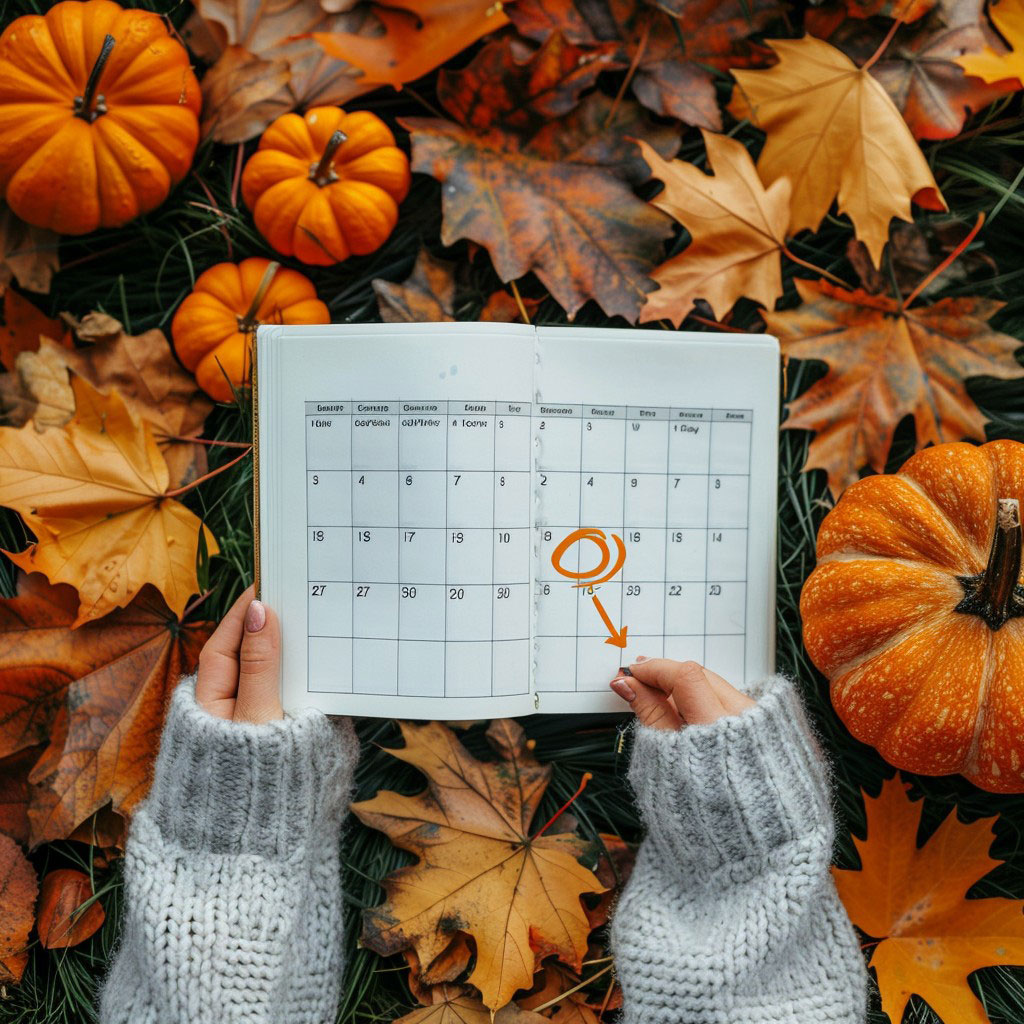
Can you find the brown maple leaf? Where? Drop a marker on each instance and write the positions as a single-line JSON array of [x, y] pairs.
[[456, 1005], [676, 50], [886, 362], [419, 35], [835, 133], [556, 201], [920, 68], [266, 61], [472, 831], [95, 494], [62, 919], [996, 62], [914, 900], [737, 229], [427, 295], [18, 889], [28, 254]]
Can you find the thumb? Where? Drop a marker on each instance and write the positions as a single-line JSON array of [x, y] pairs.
[[259, 698]]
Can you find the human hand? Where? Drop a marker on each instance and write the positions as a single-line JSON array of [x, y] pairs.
[[239, 671], [668, 694]]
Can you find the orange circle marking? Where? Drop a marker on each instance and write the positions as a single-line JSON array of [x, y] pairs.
[[590, 576]]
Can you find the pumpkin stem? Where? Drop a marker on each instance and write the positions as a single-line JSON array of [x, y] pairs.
[[83, 106], [322, 173], [995, 595], [248, 322]]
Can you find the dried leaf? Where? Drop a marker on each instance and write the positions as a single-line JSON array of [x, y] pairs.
[[266, 63], [737, 229], [105, 830], [23, 325], [920, 66], [457, 1006], [28, 254], [677, 52], [471, 829], [18, 890], [884, 363], [426, 296], [93, 493], [995, 62], [503, 308], [915, 901], [835, 133], [62, 893], [419, 35], [14, 795], [566, 210]]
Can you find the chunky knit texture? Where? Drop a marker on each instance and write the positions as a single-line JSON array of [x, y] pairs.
[[233, 889], [731, 915]]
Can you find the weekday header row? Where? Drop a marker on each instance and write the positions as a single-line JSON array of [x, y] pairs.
[[539, 410]]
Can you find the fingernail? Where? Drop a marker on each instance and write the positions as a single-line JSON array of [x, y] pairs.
[[623, 689], [625, 671], [641, 657], [255, 617]]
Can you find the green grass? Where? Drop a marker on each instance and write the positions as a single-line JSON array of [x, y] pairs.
[[141, 273]]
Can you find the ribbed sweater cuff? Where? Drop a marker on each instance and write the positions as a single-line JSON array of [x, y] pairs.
[[716, 793], [237, 787]]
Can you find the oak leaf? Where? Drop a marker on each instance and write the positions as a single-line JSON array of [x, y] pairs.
[[482, 869], [419, 35], [58, 922], [914, 900], [835, 133], [737, 229], [28, 254], [556, 202], [427, 295], [94, 494], [18, 889], [995, 62], [919, 68], [886, 362], [676, 50]]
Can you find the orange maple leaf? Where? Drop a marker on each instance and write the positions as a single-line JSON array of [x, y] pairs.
[[737, 229], [835, 133], [914, 901], [94, 494], [481, 870], [885, 362]]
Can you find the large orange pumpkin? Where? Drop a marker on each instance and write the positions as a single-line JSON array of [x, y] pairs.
[[326, 185], [98, 115], [214, 327], [915, 612]]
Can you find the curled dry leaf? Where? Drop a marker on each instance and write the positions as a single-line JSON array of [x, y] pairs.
[[472, 829], [59, 920], [737, 229], [915, 901], [995, 62], [28, 254], [886, 362], [18, 889], [835, 133], [94, 494], [426, 296]]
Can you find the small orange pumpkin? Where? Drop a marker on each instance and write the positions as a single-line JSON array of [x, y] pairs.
[[326, 185], [98, 115], [915, 612], [214, 327]]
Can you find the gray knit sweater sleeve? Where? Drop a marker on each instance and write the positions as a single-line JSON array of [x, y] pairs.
[[233, 900], [731, 915]]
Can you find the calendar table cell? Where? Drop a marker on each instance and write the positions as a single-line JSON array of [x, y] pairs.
[[328, 498], [513, 498], [645, 499], [329, 441], [560, 504], [689, 441], [421, 611], [684, 608], [470, 554], [375, 611], [421, 668], [556, 662], [559, 429], [725, 655], [596, 664], [511, 555], [375, 554], [686, 648], [601, 498], [423, 436], [727, 501], [421, 497], [511, 660], [471, 427], [422, 555], [330, 609], [375, 435], [603, 439], [548, 538], [510, 612], [375, 666], [727, 554], [647, 441], [329, 553], [330, 662], [513, 440], [556, 608], [471, 498], [645, 554], [725, 608], [730, 442], [469, 612], [687, 501], [466, 664], [374, 497], [686, 556], [643, 608], [588, 618]]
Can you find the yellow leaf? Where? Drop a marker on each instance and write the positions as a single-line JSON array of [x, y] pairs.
[[1008, 17]]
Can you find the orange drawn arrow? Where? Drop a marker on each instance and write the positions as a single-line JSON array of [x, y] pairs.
[[618, 636]]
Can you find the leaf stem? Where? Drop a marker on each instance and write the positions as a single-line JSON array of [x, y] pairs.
[[927, 280], [884, 44], [519, 302], [200, 440], [787, 252], [178, 491], [587, 776], [633, 65], [575, 988]]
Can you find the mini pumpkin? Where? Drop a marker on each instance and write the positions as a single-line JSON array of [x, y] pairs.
[[98, 115], [915, 612], [214, 327], [326, 185]]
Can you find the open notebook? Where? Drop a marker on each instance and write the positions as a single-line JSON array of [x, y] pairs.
[[466, 520]]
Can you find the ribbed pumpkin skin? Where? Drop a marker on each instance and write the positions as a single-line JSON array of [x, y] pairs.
[[206, 329], [325, 224], [936, 691], [62, 172]]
